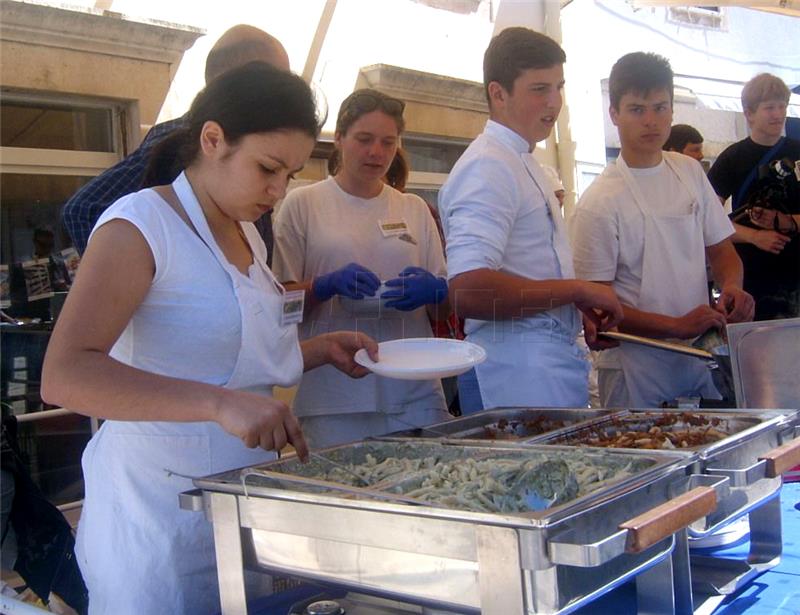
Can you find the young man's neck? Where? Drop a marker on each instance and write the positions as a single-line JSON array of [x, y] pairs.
[[500, 120], [762, 138], [641, 160]]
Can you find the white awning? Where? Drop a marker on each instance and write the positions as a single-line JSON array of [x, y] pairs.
[[790, 8], [724, 95]]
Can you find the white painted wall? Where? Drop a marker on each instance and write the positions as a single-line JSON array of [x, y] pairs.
[[597, 32]]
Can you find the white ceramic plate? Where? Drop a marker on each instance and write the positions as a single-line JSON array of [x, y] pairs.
[[422, 358]]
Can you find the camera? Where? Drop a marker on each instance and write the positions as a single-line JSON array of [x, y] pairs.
[[771, 188]]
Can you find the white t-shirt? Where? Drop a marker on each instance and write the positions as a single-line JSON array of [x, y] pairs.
[[607, 228], [321, 228]]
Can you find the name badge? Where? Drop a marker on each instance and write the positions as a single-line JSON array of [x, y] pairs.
[[393, 228], [292, 310]]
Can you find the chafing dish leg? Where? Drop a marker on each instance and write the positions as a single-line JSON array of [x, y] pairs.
[[766, 540], [655, 590], [499, 571], [228, 546], [682, 574]]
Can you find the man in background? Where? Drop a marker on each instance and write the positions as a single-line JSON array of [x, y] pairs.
[[685, 140], [747, 172], [237, 46]]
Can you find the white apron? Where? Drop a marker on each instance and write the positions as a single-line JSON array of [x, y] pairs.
[[673, 283], [537, 366], [140, 554]]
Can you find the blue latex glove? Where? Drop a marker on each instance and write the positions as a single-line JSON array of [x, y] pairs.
[[414, 288], [352, 281]]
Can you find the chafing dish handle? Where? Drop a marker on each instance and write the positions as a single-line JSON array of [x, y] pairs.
[[656, 524], [191, 500], [782, 458]]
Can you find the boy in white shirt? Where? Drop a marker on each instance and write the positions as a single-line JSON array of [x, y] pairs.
[[646, 227], [508, 255]]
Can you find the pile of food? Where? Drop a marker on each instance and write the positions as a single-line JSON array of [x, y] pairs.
[[494, 485], [672, 430], [506, 429]]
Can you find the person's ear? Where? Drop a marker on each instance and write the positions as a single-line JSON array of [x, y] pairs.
[[497, 93], [212, 138], [613, 113]]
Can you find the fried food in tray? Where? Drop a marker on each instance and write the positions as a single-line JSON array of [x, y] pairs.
[[513, 429], [669, 430]]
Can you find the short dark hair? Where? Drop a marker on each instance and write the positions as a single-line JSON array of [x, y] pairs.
[[517, 49], [251, 99], [680, 136], [639, 73]]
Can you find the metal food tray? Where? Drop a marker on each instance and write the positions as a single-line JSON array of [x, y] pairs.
[[762, 444], [546, 561], [488, 426], [323, 478], [736, 425]]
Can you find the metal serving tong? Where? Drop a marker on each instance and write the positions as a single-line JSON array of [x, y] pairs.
[[340, 466]]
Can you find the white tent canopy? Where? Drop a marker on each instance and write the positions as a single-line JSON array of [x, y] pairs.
[[725, 95], [782, 7]]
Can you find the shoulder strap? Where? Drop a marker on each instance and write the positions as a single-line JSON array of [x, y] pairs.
[[168, 194], [740, 194]]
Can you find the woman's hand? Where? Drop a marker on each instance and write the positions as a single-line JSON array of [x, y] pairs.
[[342, 347], [413, 288], [338, 349], [353, 280], [260, 420]]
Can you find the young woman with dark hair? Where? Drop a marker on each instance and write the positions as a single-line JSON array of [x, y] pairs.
[[175, 332]]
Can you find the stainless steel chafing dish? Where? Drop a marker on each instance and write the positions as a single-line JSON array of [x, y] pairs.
[[761, 446], [285, 517], [503, 424], [756, 451]]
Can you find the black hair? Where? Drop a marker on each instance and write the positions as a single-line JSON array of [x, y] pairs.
[[639, 73], [680, 136], [517, 49], [254, 98]]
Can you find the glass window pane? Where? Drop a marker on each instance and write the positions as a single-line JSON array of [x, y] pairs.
[[432, 156], [429, 195], [51, 450], [53, 126], [31, 227]]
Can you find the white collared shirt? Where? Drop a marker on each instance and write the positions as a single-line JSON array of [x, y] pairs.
[[495, 216]]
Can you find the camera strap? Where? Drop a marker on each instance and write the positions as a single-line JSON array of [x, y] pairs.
[[740, 194]]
